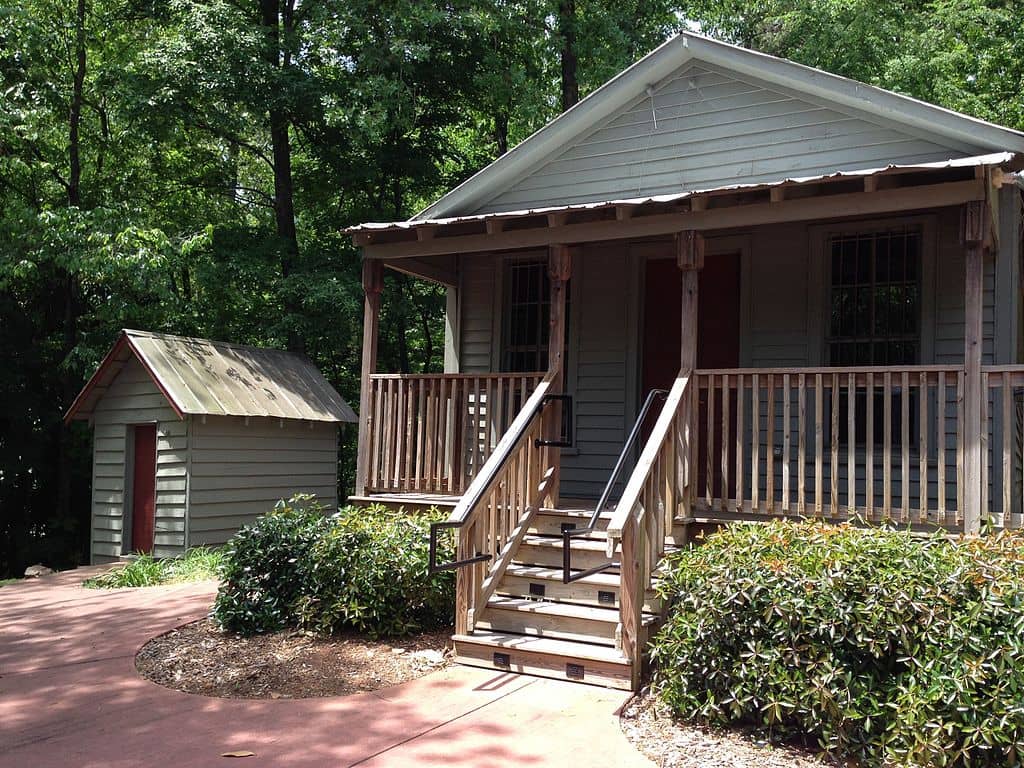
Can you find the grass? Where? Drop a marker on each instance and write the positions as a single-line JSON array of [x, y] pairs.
[[144, 571], [4, 582]]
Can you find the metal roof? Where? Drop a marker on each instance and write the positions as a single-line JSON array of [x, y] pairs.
[[633, 82], [203, 377], [991, 160]]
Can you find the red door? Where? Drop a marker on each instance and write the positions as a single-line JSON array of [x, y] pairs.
[[144, 487], [718, 336]]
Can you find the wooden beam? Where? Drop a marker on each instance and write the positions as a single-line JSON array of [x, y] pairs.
[[558, 218], [424, 270], [690, 250], [870, 184], [974, 221], [426, 232], [756, 214], [777, 194], [699, 203], [494, 226], [373, 284], [623, 212]]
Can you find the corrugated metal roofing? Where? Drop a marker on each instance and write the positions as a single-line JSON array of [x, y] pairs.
[[204, 377], [994, 159]]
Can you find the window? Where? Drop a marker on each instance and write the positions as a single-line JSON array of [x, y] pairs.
[[875, 301], [875, 309], [528, 313]]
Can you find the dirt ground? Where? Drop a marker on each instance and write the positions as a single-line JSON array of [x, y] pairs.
[[200, 658]]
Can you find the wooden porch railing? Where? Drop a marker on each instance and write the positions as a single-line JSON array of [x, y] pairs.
[[432, 433], [493, 515], [877, 443], [659, 489], [1002, 432]]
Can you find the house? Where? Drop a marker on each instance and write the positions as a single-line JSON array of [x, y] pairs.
[[194, 439], [817, 282]]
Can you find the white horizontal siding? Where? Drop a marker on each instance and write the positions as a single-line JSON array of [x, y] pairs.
[[706, 127], [240, 470], [133, 398]]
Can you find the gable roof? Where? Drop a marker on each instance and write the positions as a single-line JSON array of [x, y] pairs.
[[964, 135], [203, 377]]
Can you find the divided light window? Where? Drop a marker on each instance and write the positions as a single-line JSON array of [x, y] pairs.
[[875, 302], [528, 314], [874, 317]]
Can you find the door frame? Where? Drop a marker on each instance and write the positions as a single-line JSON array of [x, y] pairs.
[[128, 494]]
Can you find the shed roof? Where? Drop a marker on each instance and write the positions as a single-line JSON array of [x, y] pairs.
[[641, 77], [203, 377]]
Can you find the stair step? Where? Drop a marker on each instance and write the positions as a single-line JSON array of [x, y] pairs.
[[549, 522], [547, 550], [545, 657], [534, 581], [543, 618]]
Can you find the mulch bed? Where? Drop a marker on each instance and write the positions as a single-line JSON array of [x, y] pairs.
[[670, 743], [200, 658]]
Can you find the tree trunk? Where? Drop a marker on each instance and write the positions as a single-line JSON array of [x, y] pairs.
[[501, 132], [273, 17], [567, 31]]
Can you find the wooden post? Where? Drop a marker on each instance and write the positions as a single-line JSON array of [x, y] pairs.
[[974, 222], [690, 258], [373, 283], [559, 272]]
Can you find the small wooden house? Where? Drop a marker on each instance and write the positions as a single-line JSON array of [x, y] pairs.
[[818, 281], [194, 439]]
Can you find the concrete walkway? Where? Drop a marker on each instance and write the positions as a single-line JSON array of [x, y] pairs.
[[70, 696]]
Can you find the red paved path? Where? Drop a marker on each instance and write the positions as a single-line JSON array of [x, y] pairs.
[[70, 697]]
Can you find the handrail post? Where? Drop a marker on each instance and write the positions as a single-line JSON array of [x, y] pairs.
[[973, 232], [559, 271], [373, 284], [690, 258]]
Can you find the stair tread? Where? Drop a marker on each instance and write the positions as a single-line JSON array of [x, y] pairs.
[[552, 608], [555, 574], [547, 645], [576, 512]]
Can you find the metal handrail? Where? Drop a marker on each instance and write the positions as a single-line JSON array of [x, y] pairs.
[[570, 533], [476, 491]]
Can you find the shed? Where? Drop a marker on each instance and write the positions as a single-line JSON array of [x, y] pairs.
[[195, 438]]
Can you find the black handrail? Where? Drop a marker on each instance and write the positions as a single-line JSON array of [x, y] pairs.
[[432, 565], [569, 533]]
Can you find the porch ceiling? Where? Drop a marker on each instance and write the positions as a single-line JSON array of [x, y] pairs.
[[864, 191]]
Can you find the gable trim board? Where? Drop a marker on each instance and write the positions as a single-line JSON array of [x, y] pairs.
[[631, 87]]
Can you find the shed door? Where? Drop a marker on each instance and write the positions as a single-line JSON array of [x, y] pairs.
[[143, 487]]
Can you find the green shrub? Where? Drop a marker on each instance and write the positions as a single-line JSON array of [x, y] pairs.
[[364, 569], [263, 567], [145, 571], [880, 646], [368, 571]]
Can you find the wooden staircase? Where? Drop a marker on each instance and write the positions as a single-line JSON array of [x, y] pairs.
[[533, 623]]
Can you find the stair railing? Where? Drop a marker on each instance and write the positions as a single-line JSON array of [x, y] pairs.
[[568, 534], [493, 515], [660, 486]]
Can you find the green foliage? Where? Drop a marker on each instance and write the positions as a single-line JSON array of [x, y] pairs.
[[369, 572], [265, 565], [363, 569], [196, 564], [882, 647]]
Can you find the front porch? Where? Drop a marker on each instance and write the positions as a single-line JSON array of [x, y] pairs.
[[736, 307]]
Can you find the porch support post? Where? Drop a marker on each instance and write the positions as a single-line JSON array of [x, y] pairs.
[[559, 271], [690, 257], [974, 223], [373, 284]]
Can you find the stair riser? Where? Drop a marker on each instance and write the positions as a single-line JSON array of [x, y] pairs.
[[551, 525], [577, 592], [619, 676], [552, 557], [541, 625]]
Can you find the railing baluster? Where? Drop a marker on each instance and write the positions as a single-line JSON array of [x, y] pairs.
[[769, 453], [922, 451], [787, 427], [887, 446], [709, 472], [819, 430], [985, 474], [851, 444], [741, 396], [905, 446], [941, 447], [726, 407], [869, 449], [755, 444], [960, 382], [834, 450], [801, 435], [1007, 394]]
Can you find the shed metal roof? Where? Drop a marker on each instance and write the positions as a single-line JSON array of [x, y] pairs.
[[203, 377]]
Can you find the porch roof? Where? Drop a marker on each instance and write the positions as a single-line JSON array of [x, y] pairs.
[[999, 160]]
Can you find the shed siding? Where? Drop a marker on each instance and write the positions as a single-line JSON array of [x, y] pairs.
[[239, 470], [707, 127], [133, 398]]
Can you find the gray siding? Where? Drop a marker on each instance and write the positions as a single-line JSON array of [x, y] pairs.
[[239, 470], [599, 360], [706, 127], [478, 301], [133, 398]]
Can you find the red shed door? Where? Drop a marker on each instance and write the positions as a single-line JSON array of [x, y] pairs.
[[144, 487]]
